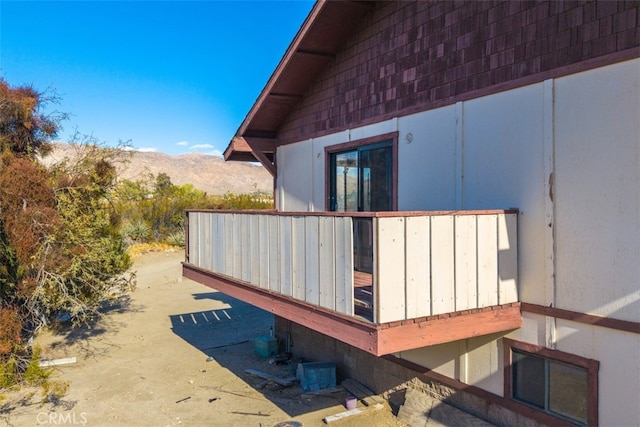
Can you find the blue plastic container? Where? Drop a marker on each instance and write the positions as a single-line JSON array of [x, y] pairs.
[[314, 376], [266, 346]]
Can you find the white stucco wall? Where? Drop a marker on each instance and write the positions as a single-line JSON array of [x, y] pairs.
[[597, 170], [427, 160]]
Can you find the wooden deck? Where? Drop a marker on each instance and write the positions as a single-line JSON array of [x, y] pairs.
[[363, 295]]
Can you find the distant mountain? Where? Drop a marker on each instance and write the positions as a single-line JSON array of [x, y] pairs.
[[208, 173]]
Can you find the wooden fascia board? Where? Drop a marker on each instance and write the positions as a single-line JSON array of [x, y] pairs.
[[351, 331], [286, 59], [236, 145], [435, 330], [378, 340]]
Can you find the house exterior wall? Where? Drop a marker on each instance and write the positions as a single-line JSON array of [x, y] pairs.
[[566, 153], [499, 105]]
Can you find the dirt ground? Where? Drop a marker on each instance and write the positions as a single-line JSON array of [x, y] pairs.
[[173, 352]]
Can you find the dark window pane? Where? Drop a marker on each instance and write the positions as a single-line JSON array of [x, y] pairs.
[[528, 379], [568, 391], [376, 179]]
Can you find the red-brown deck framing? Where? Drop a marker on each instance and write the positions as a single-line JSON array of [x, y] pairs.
[[377, 339]]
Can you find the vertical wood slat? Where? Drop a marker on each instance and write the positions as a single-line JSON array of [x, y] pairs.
[[245, 250], [442, 256], [220, 259], [507, 258], [213, 227], [298, 261], [327, 268], [194, 232], [254, 241], [465, 262], [344, 266], [487, 240], [204, 243], [391, 269], [228, 244], [274, 254], [265, 255], [418, 267], [312, 260], [285, 254], [237, 246]]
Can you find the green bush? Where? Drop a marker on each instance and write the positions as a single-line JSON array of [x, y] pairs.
[[176, 238], [138, 231]]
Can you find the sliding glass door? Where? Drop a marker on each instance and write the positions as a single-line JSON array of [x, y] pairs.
[[361, 180]]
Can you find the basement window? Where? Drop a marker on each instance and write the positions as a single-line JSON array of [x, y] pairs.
[[560, 384]]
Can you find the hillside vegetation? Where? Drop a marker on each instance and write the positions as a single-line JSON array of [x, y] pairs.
[[207, 173], [68, 220]]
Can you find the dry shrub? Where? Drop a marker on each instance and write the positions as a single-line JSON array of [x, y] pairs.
[[10, 329]]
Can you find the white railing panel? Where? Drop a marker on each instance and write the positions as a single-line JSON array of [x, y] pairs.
[[237, 246], [465, 262], [507, 258], [255, 242], [245, 248], [418, 262], [286, 253], [264, 242], [327, 296], [423, 265], [228, 245], [344, 266], [298, 261], [203, 246], [194, 232], [391, 269], [312, 260], [218, 241], [442, 261], [274, 254], [487, 241]]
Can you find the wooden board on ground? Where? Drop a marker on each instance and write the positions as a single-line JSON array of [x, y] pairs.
[[282, 381], [352, 412], [367, 396]]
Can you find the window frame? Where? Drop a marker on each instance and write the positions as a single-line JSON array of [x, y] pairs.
[[355, 145], [590, 365]]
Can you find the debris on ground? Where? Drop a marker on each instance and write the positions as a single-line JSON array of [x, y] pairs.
[[368, 397], [286, 382], [57, 362], [257, 414], [352, 412]]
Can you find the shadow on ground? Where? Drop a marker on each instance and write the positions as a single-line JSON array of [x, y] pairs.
[[80, 334], [227, 336]]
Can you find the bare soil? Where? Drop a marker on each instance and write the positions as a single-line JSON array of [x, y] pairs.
[[173, 352]]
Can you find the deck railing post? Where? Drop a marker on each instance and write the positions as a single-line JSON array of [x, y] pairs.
[[186, 237]]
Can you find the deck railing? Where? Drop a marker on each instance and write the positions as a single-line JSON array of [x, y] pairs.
[[424, 263]]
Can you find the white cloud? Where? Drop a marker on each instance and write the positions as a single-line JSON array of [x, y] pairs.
[[216, 153], [182, 143], [200, 146]]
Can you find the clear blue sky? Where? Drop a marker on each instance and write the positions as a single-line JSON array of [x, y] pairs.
[[171, 76]]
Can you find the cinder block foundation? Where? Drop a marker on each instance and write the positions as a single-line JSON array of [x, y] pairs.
[[387, 377]]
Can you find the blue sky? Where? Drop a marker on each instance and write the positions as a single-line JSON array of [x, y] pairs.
[[170, 76]]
